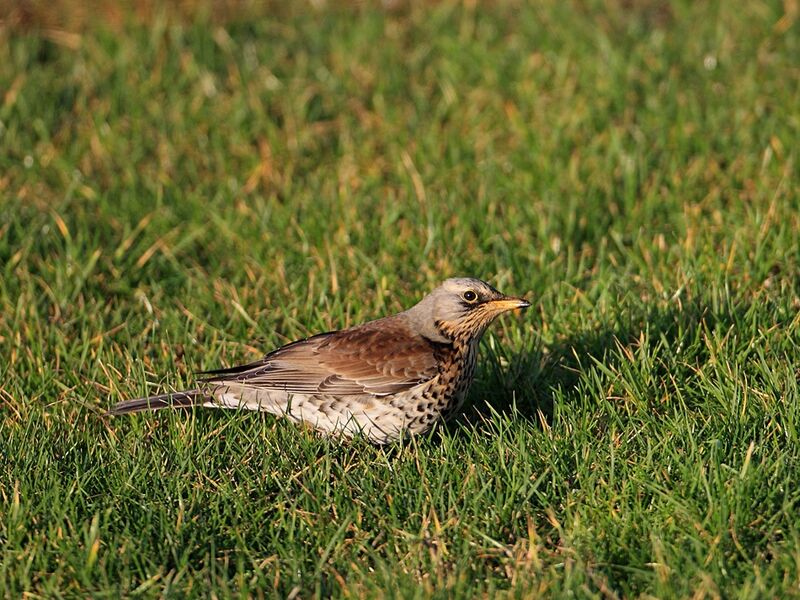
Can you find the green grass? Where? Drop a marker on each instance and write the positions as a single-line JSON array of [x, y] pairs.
[[180, 195]]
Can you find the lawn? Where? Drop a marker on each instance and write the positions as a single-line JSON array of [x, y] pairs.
[[187, 189]]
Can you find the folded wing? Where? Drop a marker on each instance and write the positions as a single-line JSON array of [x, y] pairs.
[[378, 358]]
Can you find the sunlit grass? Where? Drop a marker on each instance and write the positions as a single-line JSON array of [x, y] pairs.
[[177, 195]]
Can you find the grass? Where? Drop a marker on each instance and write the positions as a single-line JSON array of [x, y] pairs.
[[181, 193]]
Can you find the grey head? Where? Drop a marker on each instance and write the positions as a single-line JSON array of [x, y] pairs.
[[461, 308]]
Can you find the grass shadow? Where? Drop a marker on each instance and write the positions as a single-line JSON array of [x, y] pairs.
[[526, 383]]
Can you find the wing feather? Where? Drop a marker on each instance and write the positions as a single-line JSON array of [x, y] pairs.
[[378, 358]]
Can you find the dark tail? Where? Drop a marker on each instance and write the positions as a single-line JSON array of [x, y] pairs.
[[185, 399]]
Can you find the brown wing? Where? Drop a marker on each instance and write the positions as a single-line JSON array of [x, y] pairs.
[[378, 358]]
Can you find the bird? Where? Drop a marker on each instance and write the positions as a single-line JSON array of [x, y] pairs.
[[383, 379]]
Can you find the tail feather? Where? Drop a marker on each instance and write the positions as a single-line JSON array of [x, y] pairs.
[[185, 399]]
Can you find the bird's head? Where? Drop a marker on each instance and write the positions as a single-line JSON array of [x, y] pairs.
[[461, 308]]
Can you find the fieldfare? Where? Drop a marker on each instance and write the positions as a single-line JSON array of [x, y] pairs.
[[399, 374]]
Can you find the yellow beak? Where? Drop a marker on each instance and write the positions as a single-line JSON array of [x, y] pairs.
[[508, 303]]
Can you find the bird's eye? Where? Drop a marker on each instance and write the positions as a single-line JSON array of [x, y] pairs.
[[470, 296]]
